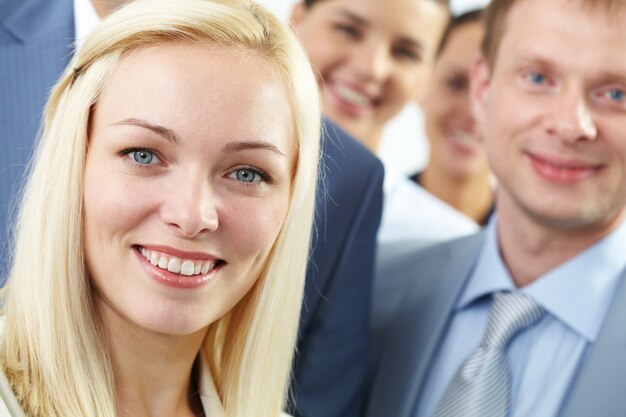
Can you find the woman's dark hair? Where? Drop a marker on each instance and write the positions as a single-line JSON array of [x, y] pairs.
[[467, 17]]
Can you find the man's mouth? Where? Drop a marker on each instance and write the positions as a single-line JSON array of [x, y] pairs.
[[568, 171]]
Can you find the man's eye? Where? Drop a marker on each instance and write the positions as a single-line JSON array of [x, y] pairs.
[[611, 97], [616, 94], [536, 78]]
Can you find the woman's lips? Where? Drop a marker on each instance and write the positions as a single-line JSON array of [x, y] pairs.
[[349, 100], [463, 142], [175, 271]]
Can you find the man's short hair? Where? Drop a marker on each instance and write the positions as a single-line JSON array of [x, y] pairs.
[[495, 16]]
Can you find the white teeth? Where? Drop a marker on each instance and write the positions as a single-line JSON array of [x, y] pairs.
[[187, 268], [162, 263], [352, 96], [175, 265], [206, 267], [464, 137]]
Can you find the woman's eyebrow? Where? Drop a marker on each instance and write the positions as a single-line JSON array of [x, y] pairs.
[[247, 145], [171, 136], [163, 131], [355, 18], [407, 41]]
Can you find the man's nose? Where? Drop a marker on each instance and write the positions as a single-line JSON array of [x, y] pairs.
[[572, 121]]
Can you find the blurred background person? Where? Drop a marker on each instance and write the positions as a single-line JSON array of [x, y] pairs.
[[372, 57], [457, 171], [453, 196]]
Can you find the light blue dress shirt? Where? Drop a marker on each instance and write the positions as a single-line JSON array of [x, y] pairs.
[[545, 358]]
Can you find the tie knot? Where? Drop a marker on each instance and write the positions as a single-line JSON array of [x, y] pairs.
[[510, 314]]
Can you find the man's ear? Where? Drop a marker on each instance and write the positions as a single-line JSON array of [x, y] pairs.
[[298, 12], [480, 78]]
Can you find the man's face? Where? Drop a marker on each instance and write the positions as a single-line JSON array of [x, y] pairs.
[[553, 109]]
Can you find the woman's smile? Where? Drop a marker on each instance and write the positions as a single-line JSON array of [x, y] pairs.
[[178, 272]]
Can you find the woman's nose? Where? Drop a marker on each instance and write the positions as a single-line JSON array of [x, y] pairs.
[[191, 206], [371, 61]]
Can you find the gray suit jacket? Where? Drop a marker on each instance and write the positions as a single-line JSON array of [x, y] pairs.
[[406, 343]]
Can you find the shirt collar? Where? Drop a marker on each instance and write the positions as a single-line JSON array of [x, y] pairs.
[[579, 300], [85, 20], [211, 402]]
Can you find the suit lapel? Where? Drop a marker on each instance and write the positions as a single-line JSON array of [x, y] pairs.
[[435, 310], [33, 18], [598, 389], [418, 329]]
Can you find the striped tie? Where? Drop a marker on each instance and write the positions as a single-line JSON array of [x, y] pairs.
[[481, 386]]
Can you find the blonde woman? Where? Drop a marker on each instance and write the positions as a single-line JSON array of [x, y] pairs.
[[163, 235]]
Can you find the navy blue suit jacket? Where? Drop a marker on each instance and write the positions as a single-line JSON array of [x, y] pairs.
[[35, 46], [331, 364], [35, 39]]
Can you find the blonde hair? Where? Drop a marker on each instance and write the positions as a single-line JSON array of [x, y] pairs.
[[54, 349]]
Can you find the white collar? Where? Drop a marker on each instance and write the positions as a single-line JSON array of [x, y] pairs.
[[85, 20], [211, 402]]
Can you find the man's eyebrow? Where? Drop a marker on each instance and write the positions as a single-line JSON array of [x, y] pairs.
[[613, 75], [248, 145], [163, 131]]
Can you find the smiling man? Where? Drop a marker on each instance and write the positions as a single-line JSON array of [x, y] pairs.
[[526, 318]]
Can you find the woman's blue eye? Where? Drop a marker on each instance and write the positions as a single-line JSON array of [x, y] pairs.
[[144, 157], [247, 175]]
